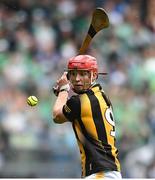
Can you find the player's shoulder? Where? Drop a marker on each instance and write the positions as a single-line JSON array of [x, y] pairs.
[[74, 99]]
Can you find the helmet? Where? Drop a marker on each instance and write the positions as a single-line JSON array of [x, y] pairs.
[[83, 62]]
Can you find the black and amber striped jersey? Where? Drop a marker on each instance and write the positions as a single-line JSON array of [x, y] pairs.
[[94, 127]]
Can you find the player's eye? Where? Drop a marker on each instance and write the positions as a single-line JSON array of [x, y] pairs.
[[84, 73], [73, 73]]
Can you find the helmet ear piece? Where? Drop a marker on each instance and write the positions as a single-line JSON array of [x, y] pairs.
[[96, 74]]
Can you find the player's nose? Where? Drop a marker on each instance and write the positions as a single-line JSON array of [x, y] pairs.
[[78, 77]]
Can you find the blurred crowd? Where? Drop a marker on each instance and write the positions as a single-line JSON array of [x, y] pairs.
[[37, 38]]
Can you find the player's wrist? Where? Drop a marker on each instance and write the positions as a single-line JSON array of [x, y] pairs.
[[65, 87]]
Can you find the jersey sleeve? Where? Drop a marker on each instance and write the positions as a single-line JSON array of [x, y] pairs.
[[71, 109]]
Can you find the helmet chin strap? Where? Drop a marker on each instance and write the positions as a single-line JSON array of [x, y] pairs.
[[91, 78], [92, 82]]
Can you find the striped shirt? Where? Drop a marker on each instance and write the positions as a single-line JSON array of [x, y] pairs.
[[94, 127]]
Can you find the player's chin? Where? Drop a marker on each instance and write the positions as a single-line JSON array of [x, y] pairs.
[[78, 88]]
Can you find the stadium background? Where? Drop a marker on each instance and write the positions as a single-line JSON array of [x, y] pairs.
[[36, 39]]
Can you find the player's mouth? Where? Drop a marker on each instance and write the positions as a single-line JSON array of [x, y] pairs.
[[78, 85]]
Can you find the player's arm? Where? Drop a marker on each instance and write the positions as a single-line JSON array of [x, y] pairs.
[[69, 111], [61, 100]]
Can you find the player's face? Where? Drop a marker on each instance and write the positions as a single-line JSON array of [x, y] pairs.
[[80, 80]]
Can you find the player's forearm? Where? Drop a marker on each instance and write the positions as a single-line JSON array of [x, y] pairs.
[[61, 100]]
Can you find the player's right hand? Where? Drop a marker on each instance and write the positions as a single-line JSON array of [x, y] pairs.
[[62, 83]]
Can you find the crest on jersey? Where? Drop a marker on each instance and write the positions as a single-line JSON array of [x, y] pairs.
[[67, 109]]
